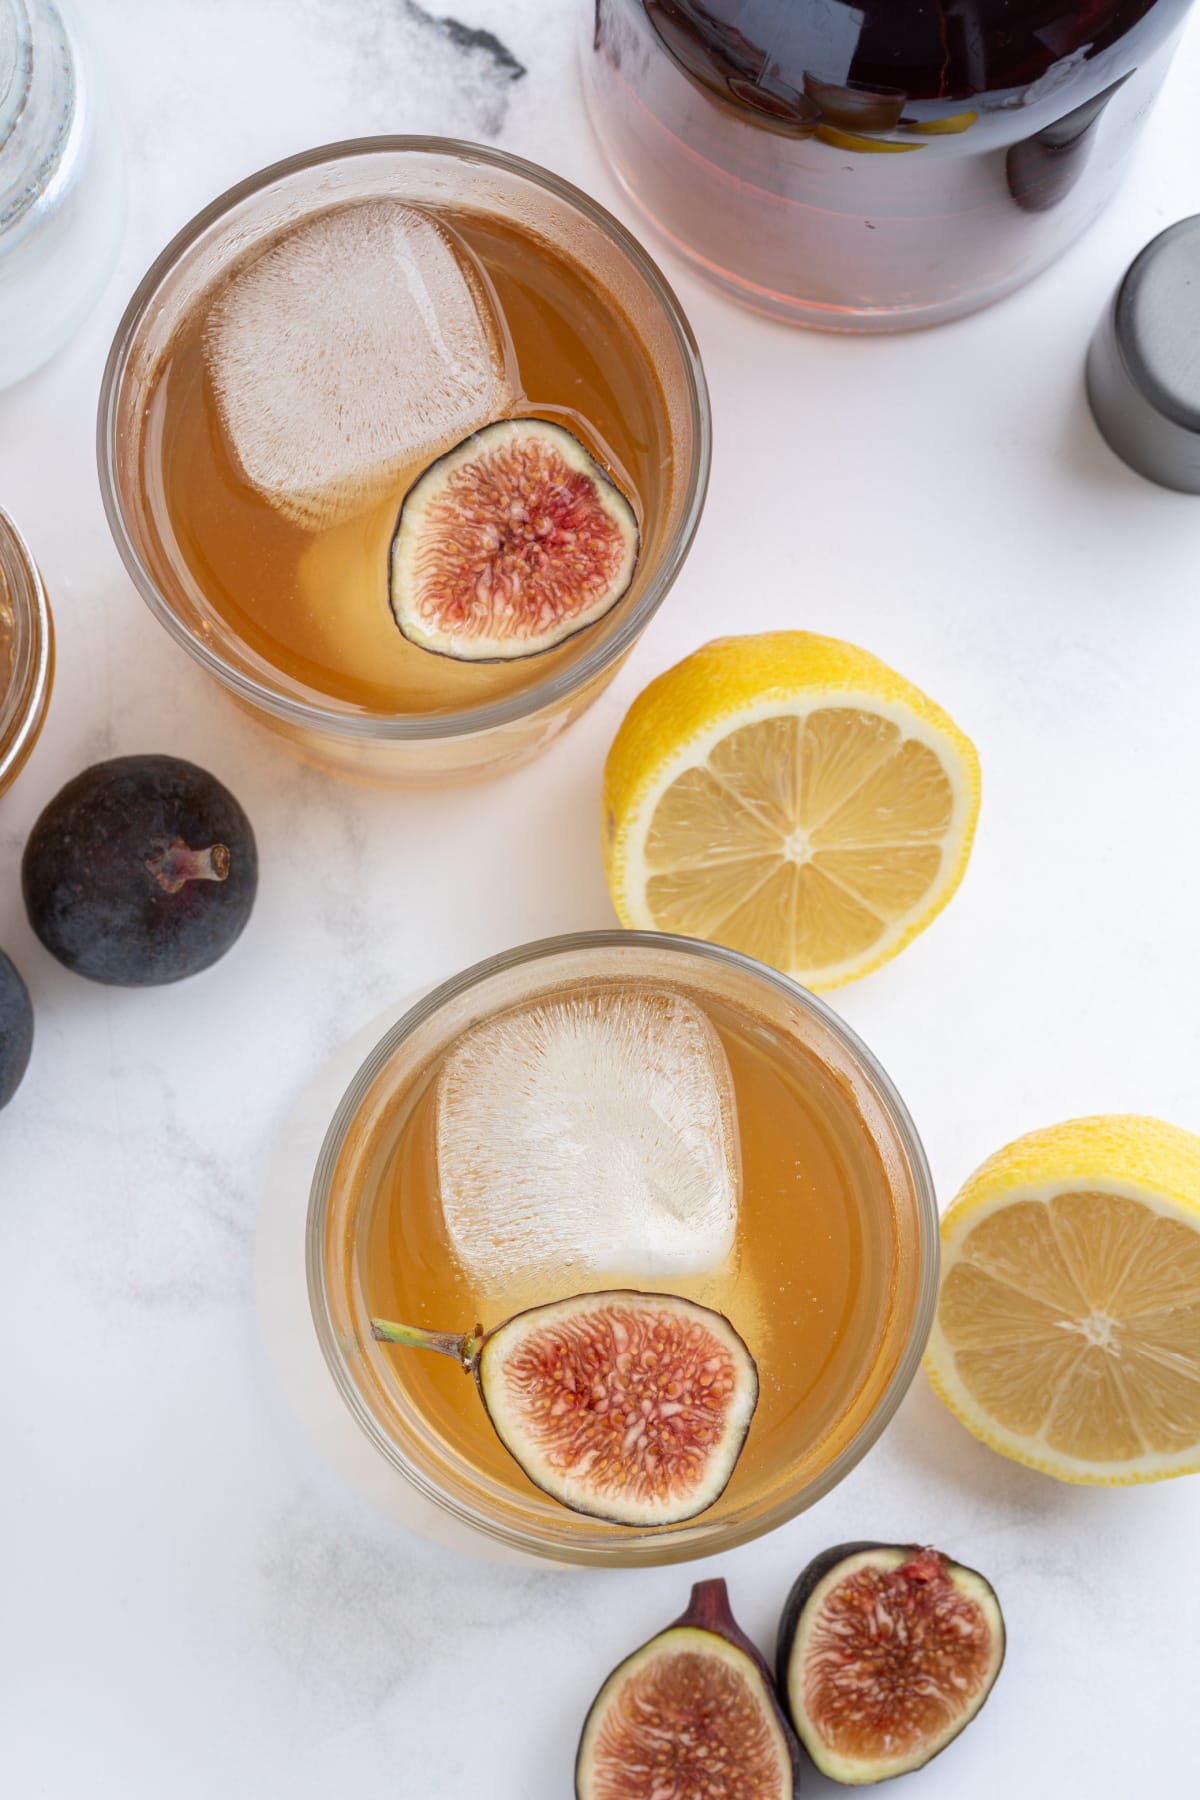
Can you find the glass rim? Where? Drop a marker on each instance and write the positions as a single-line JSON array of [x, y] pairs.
[[21, 707], [418, 726], [670, 1547]]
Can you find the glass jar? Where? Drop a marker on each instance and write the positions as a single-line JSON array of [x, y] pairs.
[[430, 1477], [867, 165], [61, 184], [26, 652]]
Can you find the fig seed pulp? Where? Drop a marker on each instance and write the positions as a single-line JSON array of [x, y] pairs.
[[886, 1652], [691, 1714]]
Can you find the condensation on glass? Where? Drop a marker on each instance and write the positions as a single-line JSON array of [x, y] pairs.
[[866, 165]]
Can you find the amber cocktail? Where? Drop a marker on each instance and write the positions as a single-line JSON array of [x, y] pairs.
[[624, 1111], [292, 381]]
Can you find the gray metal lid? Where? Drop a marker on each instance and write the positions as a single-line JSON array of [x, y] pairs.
[[1143, 366]]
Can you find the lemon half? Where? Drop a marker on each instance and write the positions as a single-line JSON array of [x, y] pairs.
[[1068, 1326], [792, 797]]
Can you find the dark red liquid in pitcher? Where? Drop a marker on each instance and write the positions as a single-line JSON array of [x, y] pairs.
[[879, 163]]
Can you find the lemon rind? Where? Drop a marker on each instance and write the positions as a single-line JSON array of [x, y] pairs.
[[1105, 1149], [966, 1213]]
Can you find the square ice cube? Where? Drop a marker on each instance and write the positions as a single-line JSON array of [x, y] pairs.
[[595, 1133], [356, 346]]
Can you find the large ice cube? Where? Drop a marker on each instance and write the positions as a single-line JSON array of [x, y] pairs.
[[595, 1134], [355, 347]]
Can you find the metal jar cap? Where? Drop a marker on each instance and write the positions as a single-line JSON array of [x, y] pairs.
[[1143, 366]]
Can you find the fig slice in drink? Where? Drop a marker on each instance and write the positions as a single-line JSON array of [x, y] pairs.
[[630, 1407], [509, 544]]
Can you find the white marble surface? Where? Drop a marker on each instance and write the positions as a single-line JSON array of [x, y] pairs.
[[192, 1603]]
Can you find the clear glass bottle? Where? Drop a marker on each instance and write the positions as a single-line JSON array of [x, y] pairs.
[[61, 184], [866, 165]]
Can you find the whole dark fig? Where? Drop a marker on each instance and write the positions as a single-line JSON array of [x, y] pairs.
[[141, 870], [16, 1029]]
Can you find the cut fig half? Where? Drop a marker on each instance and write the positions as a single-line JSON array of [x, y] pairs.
[[629, 1407], [509, 544], [692, 1714], [886, 1651]]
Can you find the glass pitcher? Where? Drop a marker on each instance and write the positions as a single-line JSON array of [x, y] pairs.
[[868, 165]]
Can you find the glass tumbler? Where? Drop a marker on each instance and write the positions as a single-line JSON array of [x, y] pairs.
[[439, 174], [426, 1437]]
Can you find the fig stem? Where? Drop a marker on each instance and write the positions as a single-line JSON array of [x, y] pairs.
[[177, 863], [709, 1609], [463, 1347]]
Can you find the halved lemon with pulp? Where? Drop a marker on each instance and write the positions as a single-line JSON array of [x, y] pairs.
[[1068, 1326], [792, 797]]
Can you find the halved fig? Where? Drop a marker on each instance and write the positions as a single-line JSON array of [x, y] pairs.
[[690, 1715], [509, 543], [885, 1652], [629, 1407]]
